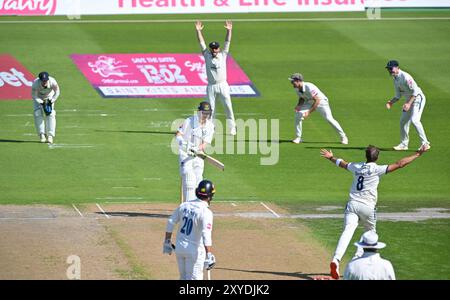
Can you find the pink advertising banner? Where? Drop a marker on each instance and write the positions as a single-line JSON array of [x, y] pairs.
[[15, 79], [156, 75]]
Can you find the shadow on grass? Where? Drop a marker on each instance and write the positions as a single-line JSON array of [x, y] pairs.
[[357, 148], [137, 131], [19, 141], [133, 214], [310, 276]]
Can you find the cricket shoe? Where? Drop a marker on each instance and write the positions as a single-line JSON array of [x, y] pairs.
[[344, 140], [42, 138], [425, 147], [401, 147], [233, 131], [334, 269], [297, 140], [50, 139]]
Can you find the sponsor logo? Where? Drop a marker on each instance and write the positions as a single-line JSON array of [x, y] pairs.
[[15, 80], [156, 75], [107, 66], [27, 7]]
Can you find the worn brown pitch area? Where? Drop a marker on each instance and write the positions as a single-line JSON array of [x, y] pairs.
[[125, 242]]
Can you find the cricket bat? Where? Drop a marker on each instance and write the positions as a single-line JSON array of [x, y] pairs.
[[211, 160]]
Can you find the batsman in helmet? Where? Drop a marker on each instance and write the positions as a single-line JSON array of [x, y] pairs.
[[194, 243], [193, 136]]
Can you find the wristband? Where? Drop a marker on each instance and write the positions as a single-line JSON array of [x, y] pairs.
[[338, 162]]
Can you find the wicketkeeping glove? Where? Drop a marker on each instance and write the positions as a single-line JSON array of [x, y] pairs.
[[47, 105], [210, 261], [168, 247]]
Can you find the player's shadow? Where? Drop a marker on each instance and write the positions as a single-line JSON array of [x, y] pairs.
[[308, 276], [133, 214], [137, 131], [18, 141], [350, 148]]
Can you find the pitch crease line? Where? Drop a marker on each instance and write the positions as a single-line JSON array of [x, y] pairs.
[[271, 210], [78, 211], [99, 207]]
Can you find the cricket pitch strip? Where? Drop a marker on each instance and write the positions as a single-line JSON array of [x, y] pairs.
[[124, 241]]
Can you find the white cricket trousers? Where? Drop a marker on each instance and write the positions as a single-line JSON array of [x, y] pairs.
[[355, 212], [191, 264], [325, 111], [413, 116], [191, 171], [222, 91], [48, 126]]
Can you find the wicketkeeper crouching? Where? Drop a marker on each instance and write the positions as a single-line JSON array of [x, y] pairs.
[[45, 91]]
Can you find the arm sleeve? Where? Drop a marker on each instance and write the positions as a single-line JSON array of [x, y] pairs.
[[382, 170], [173, 220], [226, 47], [34, 94], [55, 88], [203, 47], [397, 94], [183, 128], [352, 167], [207, 228], [209, 135], [412, 85]]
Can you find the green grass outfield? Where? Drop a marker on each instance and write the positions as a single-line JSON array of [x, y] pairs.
[[345, 58]]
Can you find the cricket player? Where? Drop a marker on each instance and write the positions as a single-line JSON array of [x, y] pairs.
[[194, 243], [370, 266], [216, 73], [192, 136], [45, 92], [405, 86], [363, 196], [311, 99]]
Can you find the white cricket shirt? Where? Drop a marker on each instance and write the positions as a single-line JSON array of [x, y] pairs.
[[405, 86], [195, 221], [216, 67], [39, 93], [366, 177], [308, 91], [195, 133], [370, 266]]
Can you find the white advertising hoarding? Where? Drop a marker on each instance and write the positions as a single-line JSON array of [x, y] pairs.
[[407, 3], [117, 7]]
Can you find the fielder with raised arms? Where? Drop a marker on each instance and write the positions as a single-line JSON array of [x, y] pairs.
[[363, 196], [45, 92], [312, 99], [193, 136], [405, 86], [194, 242], [216, 73]]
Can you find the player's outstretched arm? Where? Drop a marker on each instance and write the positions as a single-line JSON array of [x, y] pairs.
[[229, 27], [199, 27], [405, 161], [329, 155]]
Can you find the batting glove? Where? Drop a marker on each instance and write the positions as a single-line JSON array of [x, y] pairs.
[[168, 247], [192, 151], [210, 261]]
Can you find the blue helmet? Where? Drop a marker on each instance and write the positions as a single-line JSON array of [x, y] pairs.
[[43, 76]]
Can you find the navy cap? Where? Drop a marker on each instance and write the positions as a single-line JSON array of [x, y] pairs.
[[391, 64], [214, 45], [43, 76]]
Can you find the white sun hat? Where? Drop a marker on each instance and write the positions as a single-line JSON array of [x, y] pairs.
[[370, 241]]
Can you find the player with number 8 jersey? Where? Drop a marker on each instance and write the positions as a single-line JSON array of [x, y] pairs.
[[361, 207]]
